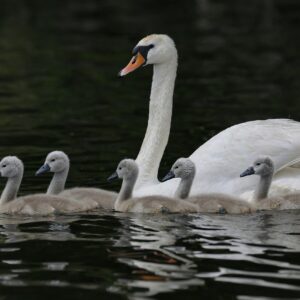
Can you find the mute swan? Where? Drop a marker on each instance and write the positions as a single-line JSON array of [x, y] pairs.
[[128, 171], [264, 168], [221, 158], [58, 163], [185, 169], [12, 168]]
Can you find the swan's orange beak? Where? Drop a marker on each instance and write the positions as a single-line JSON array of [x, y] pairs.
[[137, 61]]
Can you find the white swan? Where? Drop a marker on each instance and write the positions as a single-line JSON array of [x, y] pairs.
[[58, 163], [128, 171], [219, 160], [185, 169], [12, 168], [264, 168]]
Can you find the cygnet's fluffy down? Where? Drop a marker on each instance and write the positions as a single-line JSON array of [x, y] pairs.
[[43, 205], [58, 163], [185, 169], [103, 199], [264, 168], [128, 171]]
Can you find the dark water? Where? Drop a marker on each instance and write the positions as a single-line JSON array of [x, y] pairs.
[[239, 61]]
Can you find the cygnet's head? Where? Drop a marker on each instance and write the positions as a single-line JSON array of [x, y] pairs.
[[263, 166], [151, 50], [11, 166], [56, 162], [127, 169], [183, 168]]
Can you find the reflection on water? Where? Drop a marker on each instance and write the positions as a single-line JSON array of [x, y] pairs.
[[58, 90], [146, 256], [218, 248], [157, 267]]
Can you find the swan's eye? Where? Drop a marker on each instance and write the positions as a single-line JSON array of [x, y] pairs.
[[151, 46], [258, 164], [120, 168], [176, 167], [53, 159], [3, 166]]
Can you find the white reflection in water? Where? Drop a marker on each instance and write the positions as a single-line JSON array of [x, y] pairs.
[[243, 239], [55, 228], [155, 235], [55, 266], [251, 234], [236, 238]]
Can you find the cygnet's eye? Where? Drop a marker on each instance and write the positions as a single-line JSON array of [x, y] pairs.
[[258, 164], [176, 167], [52, 160], [120, 168], [4, 166]]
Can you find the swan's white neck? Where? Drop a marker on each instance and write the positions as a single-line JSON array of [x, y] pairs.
[[57, 184], [159, 122], [11, 189]]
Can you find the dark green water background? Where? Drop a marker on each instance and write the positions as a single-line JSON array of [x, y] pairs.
[[238, 61]]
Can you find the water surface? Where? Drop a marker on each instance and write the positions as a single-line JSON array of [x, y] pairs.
[[238, 61]]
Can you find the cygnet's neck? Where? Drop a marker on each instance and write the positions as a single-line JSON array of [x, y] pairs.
[[184, 187], [159, 121], [263, 187], [126, 189], [11, 188], [57, 184]]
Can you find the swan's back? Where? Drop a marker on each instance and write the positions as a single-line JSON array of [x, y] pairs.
[[220, 160], [44, 205], [220, 203], [156, 204], [103, 199]]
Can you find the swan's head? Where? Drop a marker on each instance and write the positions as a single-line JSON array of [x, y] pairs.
[[263, 166], [183, 168], [152, 50], [11, 166], [127, 169], [56, 162]]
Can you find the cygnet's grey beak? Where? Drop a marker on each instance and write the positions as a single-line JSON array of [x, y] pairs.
[[169, 176], [113, 177], [43, 169], [249, 171]]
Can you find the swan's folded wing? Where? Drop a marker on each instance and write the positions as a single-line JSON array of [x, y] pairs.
[[292, 164], [220, 160]]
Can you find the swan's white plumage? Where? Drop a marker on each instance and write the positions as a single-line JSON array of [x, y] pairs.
[[220, 160]]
